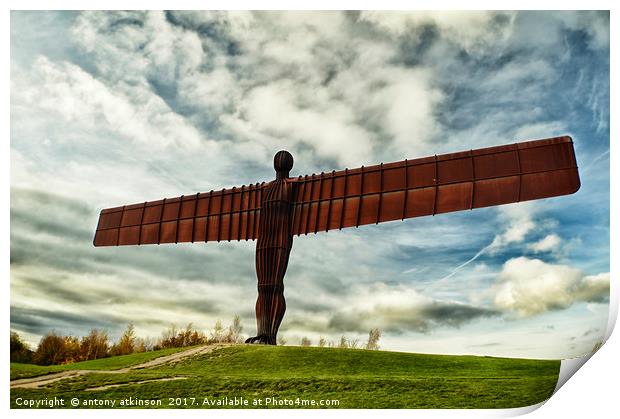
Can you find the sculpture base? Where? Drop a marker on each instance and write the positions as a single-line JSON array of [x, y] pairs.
[[264, 340]]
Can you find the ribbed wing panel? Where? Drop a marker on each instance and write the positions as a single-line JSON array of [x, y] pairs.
[[353, 197], [228, 214], [434, 185]]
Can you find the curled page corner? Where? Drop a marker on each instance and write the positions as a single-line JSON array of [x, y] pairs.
[[613, 310], [520, 411], [569, 367]]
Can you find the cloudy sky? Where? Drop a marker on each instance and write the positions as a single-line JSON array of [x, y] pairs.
[[114, 108]]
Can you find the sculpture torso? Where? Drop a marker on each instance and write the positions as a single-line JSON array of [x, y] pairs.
[[276, 216]]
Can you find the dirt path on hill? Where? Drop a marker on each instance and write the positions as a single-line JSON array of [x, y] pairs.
[[134, 382], [43, 380]]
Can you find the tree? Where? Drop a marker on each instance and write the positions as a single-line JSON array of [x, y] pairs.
[[20, 352], [184, 337], [281, 340], [51, 350], [125, 345], [373, 339], [140, 345], [72, 350], [343, 342], [305, 341], [234, 331], [322, 342], [168, 338], [95, 345], [150, 343], [191, 337], [217, 333], [196, 338]]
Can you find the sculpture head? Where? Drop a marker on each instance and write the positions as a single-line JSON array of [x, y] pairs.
[[282, 163]]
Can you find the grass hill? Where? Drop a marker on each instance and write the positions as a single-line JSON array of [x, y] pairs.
[[291, 377]]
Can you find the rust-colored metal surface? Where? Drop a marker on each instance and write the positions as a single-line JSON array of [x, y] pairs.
[[224, 215], [274, 212], [435, 185], [272, 251]]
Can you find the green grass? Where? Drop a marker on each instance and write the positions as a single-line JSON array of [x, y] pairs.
[[111, 363], [356, 378]]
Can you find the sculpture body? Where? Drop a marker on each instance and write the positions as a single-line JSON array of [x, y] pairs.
[[273, 248], [273, 212]]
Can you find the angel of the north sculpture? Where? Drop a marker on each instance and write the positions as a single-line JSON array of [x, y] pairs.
[[273, 212]]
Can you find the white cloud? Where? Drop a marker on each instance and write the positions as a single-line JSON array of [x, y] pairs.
[[540, 130], [594, 23], [594, 287], [117, 299], [133, 45], [211, 93], [134, 113], [520, 72], [547, 30], [527, 287], [549, 243], [400, 308], [331, 129], [519, 220], [467, 28], [276, 84], [407, 103]]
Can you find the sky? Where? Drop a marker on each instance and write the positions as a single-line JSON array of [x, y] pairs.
[[112, 108]]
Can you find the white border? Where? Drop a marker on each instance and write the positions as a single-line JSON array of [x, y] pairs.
[[592, 393]]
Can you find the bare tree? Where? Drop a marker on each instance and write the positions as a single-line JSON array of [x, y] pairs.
[[281, 340], [373, 339], [343, 342], [234, 331], [185, 335], [151, 343], [322, 342], [218, 332], [305, 341], [140, 345], [168, 338]]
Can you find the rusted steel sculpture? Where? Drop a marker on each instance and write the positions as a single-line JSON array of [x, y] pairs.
[[274, 212]]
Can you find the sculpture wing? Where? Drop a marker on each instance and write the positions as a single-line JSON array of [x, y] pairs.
[[228, 214], [434, 185]]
